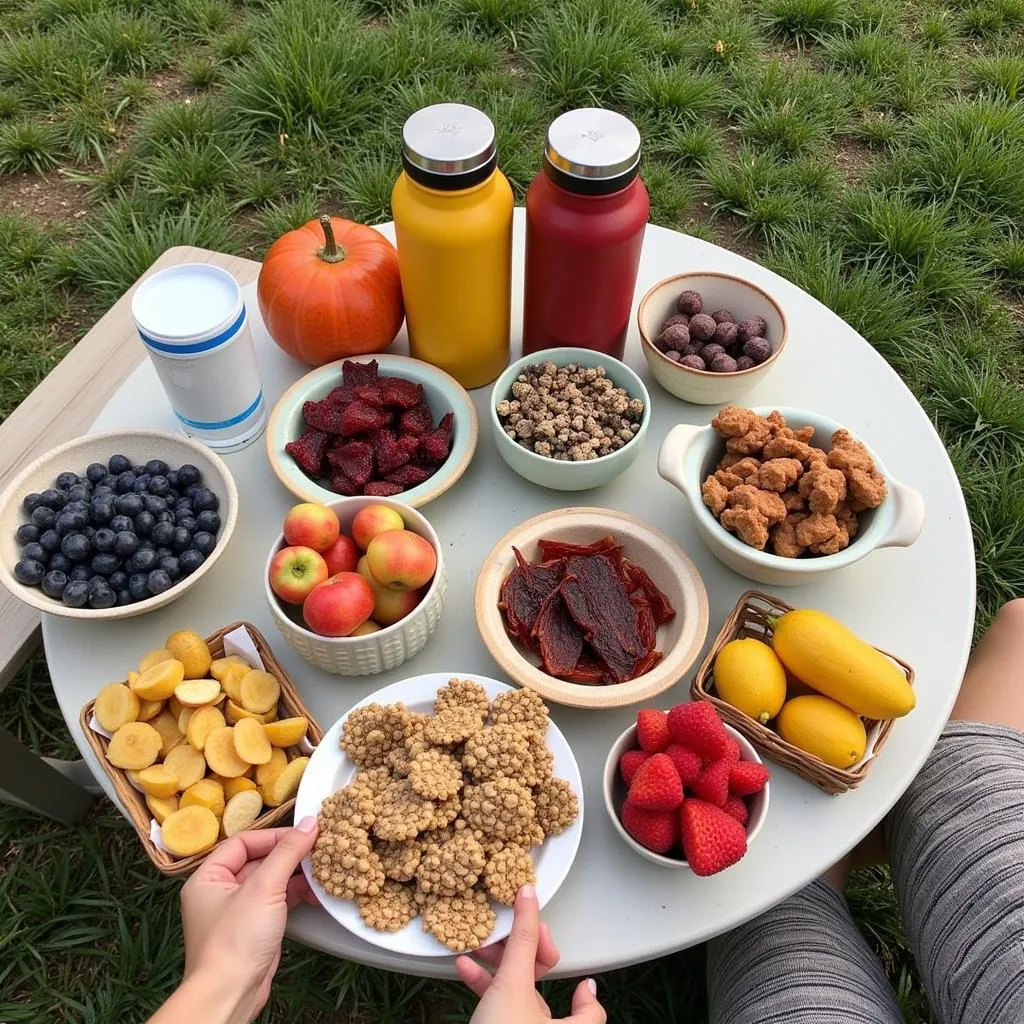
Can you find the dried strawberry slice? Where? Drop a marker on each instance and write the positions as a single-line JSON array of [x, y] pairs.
[[382, 489], [360, 418], [308, 451], [388, 452], [342, 484], [322, 416], [355, 460], [372, 394], [417, 420], [401, 393], [341, 395], [409, 475], [359, 373], [435, 446], [410, 444]]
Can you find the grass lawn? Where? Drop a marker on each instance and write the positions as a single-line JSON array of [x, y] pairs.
[[869, 150]]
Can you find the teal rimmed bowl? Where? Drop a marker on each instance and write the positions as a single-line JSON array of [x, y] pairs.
[[441, 392]]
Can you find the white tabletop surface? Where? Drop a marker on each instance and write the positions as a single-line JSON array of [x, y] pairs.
[[615, 908]]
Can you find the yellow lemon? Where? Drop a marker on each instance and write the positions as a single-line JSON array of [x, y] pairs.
[[749, 676], [824, 728]]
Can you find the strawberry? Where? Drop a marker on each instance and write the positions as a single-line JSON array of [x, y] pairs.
[[734, 747], [652, 730], [630, 763], [656, 785], [417, 420], [359, 417], [355, 374], [399, 392], [713, 782], [657, 831], [698, 727], [687, 763], [712, 840], [747, 778], [736, 807]]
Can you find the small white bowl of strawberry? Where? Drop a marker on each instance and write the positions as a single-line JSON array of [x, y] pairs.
[[685, 790]]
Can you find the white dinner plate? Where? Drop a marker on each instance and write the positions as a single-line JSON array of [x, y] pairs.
[[330, 769]]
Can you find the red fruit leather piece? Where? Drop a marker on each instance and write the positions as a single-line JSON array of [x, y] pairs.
[[355, 460], [359, 417], [524, 591], [388, 452], [400, 393], [599, 633], [558, 638], [409, 444], [409, 475], [645, 627], [416, 421], [587, 672], [371, 394], [308, 451], [563, 549], [382, 489], [646, 664], [638, 578], [359, 373], [342, 484], [341, 395], [435, 446], [323, 416]]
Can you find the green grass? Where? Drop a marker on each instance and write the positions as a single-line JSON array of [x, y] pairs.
[[869, 150]]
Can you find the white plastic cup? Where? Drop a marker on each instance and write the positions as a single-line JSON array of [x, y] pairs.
[[194, 326]]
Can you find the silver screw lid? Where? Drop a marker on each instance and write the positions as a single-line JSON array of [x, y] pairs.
[[448, 139], [593, 143]]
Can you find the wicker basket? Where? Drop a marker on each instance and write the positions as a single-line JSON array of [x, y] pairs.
[[750, 619], [291, 706]]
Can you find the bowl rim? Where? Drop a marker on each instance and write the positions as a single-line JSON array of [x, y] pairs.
[[664, 675], [611, 767], [649, 347], [36, 599], [421, 494], [282, 616], [567, 353]]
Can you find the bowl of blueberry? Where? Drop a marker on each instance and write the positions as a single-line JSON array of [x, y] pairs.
[[115, 524]]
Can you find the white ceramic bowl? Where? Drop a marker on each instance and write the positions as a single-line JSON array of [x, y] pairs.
[[442, 393], [615, 796], [681, 638], [569, 476], [719, 291], [374, 652], [689, 454], [74, 456]]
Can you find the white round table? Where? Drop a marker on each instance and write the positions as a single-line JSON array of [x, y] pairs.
[[615, 908]]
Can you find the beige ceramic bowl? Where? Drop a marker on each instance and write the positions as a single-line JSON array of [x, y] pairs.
[[681, 639], [75, 456], [615, 796], [719, 291], [375, 652]]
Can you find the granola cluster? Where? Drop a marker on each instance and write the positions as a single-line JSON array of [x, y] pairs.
[[443, 813]]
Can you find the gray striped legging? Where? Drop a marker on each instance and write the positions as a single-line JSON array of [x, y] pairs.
[[956, 844]]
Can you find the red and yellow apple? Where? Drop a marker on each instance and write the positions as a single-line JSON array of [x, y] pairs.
[[389, 606], [369, 626], [311, 525], [295, 572], [342, 555], [401, 559], [373, 519], [339, 605]]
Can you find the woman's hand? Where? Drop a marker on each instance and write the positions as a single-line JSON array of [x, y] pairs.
[[510, 996]]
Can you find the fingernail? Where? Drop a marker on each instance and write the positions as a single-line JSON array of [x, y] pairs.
[[592, 985], [527, 892], [308, 824]]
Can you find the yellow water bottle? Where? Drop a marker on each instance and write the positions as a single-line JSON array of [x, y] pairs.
[[453, 221]]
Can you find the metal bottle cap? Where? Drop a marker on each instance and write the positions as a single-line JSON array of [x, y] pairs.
[[591, 149], [449, 145]]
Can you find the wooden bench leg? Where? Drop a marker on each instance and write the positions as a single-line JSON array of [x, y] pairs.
[[27, 780]]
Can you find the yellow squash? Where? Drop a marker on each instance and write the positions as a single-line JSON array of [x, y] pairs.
[[825, 655], [823, 728], [749, 676]]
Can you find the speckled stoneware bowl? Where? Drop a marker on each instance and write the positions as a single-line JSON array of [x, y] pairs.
[[442, 393], [569, 476], [374, 652], [719, 291]]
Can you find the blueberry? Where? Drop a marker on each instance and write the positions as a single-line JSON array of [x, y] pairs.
[[52, 498], [159, 486], [185, 503], [153, 504], [192, 490], [89, 532], [142, 561], [164, 553], [125, 544], [28, 532], [65, 480], [142, 483], [119, 579], [100, 594], [182, 539], [43, 517], [59, 562], [95, 473], [71, 522], [167, 516], [77, 506], [137, 586], [190, 561], [80, 492], [125, 482], [34, 551], [186, 521], [80, 572], [158, 581], [118, 464], [31, 502], [128, 505], [76, 593], [124, 596], [103, 541], [171, 566], [172, 478], [76, 546], [50, 539], [29, 572], [157, 467], [103, 491], [104, 565], [146, 544], [54, 583], [162, 533], [101, 511], [188, 474], [110, 480], [208, 522], [204, 542], [144, 523], [119, 523], [172, 497]]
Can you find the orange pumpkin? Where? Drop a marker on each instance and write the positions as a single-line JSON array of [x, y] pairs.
[[331, 289]]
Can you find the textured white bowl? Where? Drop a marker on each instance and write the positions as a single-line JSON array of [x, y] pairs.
[[689, 454], [719, 291], [615, 796], [75, 456], [569, 476], [374, 652]]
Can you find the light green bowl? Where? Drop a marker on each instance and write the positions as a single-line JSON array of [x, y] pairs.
[[569, 476]]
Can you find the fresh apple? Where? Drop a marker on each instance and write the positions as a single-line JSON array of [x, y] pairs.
[[374, 519], [341, 556], [295, 572], [369, 626], [339, 605], [389, 606], [311, 525], [401, 559]]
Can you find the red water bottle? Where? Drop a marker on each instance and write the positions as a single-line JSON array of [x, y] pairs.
[[585, 217]]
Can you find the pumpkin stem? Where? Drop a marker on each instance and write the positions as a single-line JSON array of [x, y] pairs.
[[331, 252]]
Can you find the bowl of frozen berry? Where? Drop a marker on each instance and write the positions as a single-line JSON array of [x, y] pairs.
[[386, 427], [710, 337], [115, 524]]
